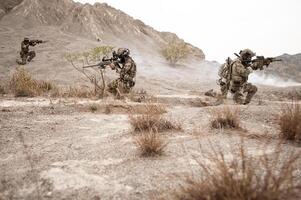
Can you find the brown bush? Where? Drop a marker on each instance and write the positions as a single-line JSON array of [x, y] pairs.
[[150, 109], [2, 90], [244, 178], [146, 122], [23, 85], [137, 95], [225, 117], [151, 119], [150, 144], [290, 122], [93, 108], [174, 51], [77, 91]]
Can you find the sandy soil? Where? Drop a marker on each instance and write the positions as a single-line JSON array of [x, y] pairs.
[[59, 149]]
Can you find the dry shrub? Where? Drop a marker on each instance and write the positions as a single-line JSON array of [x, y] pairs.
[[78, 91], [2, 90], [108, 110], [225, 117], [150, 144], [245, 177], [290, 122], [152, 120], [23, 85], [175, 51], [93, 108], [199, 103], [150, 109], [146, 122], [137, 95]]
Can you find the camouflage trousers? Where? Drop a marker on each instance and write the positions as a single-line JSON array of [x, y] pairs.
[[237, 89], [119, 86], [26, 57]]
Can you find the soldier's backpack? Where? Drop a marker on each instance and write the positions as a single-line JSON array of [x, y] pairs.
[[224, 70]]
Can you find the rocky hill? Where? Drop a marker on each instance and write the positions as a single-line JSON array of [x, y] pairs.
[[98, 21], [75, 27], [289, 68], [8, 5]]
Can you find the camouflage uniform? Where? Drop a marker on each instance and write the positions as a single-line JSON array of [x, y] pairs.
[[126, 68], [241, 68], [25, 54], [239, 84]]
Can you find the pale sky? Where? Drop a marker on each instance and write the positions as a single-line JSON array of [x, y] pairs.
[[222, 27]]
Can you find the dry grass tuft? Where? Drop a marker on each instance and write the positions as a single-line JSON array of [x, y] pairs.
[[151, 119], [290, 122], [199, 103], [147, 122], [225, 117], [23, 85], [137, 95], [2, 90], [93, 108], [78, 91], [150, 144], [108, 110], [268, 177], [150, 109]]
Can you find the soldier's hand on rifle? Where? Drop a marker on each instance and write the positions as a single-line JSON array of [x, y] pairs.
[[112, 66]]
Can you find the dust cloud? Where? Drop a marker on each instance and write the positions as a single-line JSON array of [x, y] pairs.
[[271, 80]]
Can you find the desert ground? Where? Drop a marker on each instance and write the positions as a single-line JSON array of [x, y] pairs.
[[60, 148]]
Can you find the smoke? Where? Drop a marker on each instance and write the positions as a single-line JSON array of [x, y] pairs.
[[271, 80]]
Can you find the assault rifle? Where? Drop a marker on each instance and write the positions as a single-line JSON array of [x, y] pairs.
[[103, 63], [265, 61], [262, 61], [34, 42]]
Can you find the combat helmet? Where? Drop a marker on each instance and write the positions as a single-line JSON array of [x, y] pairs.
[[123, 52], [246, 55]]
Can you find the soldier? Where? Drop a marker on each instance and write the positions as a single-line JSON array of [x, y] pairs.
[[239, 72], [25, 54], [234, 75], [126, 68]]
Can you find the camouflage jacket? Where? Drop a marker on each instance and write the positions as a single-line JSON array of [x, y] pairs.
[[127, 69], [240, 72], [25, 47]]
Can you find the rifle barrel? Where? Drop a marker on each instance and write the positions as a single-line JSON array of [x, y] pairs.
[[89, 66]]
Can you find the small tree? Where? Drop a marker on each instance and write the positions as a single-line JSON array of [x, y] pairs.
[[95, 76], [175, 51]]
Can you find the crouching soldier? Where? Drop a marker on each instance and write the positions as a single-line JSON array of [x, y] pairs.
[[25, 54], [240, 70], [126, 68]]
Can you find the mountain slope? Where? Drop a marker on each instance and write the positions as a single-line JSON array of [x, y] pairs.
[[74, 27], [99, 21], [8, 5]]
